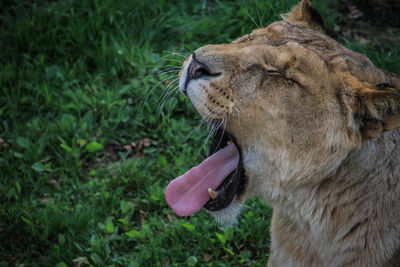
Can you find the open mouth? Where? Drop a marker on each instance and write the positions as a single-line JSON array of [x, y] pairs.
[[233, 184], [214, 183]]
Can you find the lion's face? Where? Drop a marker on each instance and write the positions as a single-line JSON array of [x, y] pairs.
[[278, 101], [290, 98]]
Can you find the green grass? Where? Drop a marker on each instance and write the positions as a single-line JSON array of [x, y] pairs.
[[78, 83]]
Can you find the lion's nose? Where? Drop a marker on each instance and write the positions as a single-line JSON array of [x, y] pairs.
[[196, 69]]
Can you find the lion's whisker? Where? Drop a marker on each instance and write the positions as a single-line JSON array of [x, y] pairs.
[[211, 128], [158, 74], [169, 90], [166, 57], [172, 60], [176, 54], [224, 119], [174, 98], [152, 89], [201, 123], [189, 53]]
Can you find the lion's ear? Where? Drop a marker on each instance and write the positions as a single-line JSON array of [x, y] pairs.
[[305, 15], [378, 110]]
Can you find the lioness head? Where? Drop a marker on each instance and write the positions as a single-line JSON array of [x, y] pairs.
[[293, 102]]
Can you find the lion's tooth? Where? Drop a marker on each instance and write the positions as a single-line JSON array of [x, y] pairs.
[[212, 193]]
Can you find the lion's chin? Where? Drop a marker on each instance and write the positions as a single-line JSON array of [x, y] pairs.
[[228, 216]]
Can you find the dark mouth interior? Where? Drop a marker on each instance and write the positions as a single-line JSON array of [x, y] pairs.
[[234, 184]]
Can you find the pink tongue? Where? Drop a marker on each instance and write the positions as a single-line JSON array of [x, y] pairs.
[[189, 192]]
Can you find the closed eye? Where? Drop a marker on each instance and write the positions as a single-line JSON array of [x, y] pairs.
[[384, 86], [272, 71]]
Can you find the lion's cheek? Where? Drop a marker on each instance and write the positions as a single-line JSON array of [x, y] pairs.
[[210, 100]]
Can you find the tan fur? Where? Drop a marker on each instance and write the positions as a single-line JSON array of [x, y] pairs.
[[318, 126]]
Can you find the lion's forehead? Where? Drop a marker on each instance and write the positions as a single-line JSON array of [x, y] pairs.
[[303, 50]]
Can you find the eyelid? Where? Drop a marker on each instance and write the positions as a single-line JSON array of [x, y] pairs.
[[272, 71], [384, 85]]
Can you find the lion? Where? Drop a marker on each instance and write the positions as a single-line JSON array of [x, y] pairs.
[[308, 126]]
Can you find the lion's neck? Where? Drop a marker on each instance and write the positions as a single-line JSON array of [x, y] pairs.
[[364, 174], [377, 160], [360, 173], [362, 193]]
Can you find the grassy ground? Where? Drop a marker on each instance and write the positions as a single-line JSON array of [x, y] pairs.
[[90, 136]]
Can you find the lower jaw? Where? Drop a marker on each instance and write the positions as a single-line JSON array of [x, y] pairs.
[[228, 215]]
